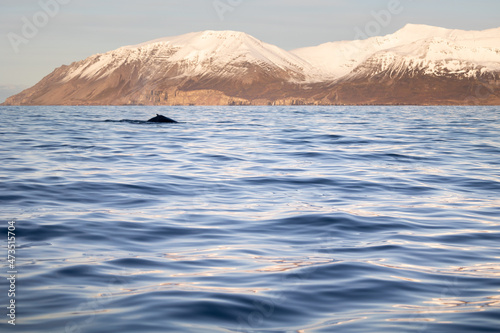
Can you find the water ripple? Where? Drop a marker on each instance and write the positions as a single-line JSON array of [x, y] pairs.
[[254, 219]]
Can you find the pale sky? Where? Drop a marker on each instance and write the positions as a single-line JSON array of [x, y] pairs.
[[71, 30]]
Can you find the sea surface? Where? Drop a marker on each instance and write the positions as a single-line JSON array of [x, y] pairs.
[[251, 219]]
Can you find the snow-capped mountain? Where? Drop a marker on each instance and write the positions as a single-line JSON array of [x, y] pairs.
[[416, 65], [226, 53], [436, 51]]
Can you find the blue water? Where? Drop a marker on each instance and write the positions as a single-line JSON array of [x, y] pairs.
[[252, 219]]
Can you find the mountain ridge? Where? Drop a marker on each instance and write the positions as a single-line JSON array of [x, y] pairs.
[[418, 64]]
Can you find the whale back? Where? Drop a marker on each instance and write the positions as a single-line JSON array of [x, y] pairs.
[[161, 119]]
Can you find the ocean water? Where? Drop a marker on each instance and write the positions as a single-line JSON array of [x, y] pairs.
[[252, 219]]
